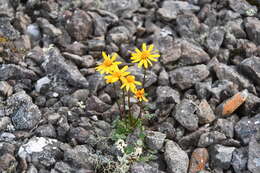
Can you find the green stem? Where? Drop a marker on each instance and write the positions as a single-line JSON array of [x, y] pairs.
[[123, 100], [129, 107], [119, 108]]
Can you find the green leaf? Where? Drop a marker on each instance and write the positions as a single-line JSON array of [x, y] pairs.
[[129, 149]]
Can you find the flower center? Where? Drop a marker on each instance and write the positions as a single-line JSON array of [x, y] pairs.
[[139, 94], [130, 79], [145, 55], [107, 62], [117, 74]]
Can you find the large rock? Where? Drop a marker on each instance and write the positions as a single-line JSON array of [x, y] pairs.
[[209, 138], [251, 68], [24, 114], [171, 9], [167, 95], [186, 77], [184, 114], [205, 113], [154, 140], [239, 159], [95, 104], [215, 39], [79, 25], [254, 155], [55, 64], [199, 159], [6, 8], [242, 7], [220, 156], [177, 160], [7, 30], [252, 26]]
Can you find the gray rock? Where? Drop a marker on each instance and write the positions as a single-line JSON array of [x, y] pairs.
[[219, 87], [55, 64], [252, 26], [63, 167], [7, 30], [246, 128], [81, 61], [79, 25], [5, 89], [97, 44], [251, 105], [225, 126], [215, 39], [171, 50], [242, 7], [239, 160], [177, 160], [186, 77], [225, 72], [167, 128], [154, 140], [34, 32], [95, 104], [4, 121], [14, 72], [167, 95], [184, 114], [79, 134], [43, 152], [205, 113], [220, 156], [118, 35], [76, 48], [46, 130], [7, 161], [251, 68], [120, 8], [96, 82], [170, 9], [150, 78], [48, 28], [163, 78], [235, 27], [42, 84], [144, 168], [24, 114], [6, 8], [253, 164], [209, 138]]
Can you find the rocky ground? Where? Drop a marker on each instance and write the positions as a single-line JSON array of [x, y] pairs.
[[56, 111]]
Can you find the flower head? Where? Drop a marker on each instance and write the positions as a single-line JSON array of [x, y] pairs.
[[108, 64], [117, 74], [145, 56], [129, 82], [139, 94], [120, 145]]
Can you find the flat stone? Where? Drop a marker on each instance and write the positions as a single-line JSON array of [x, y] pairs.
[[184, 114], [205, 113], [220, 156], [198, 160], [177, 160], [230, 105], [251, 68], [209, 138], [186, 77], [154, 140]]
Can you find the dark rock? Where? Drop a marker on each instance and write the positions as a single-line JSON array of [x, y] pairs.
[[170, 9], [7, 30], [15, 72], [252, 26], [220, 156], [186, 77], [5, 89], [205, 113], [154, 140], [242, 7], [253, 155], [251, 68], [79, 25], [167, 128], [48, 28], [246, 128], [225, 126], [46, 131], [6, 8], [225, 72], [81, 61], [215, 39], [95, 104], [235, 28], [167, 95], [25, 115], [199, 159], [219, 87], [184, 114], [150, 78], [76, 48], [55, 64], [177, 160], [81, 94], [210, 138], [239, 160], [251, 105], [79, 134]]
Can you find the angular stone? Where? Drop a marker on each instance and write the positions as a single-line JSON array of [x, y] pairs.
[[79, 25], [215, 39], [4, 121], [163, 78], [79, 134], [5, 89], [239, 160], [167, 95], [77, 48], [251, 105], [220, 156], [48, 28], [230, 105], [251, 68], [46, 130], [186, 77], [205, 113], [7, 30], [177, 160], [252, 26], [55, 64], [170, 9], [198, 160], [184, 114], [95, 104], [154, 140], [242, 7], [210, 138], [6, 162], [142, 167], [42, 84], [6, 8], [225, 72], [14, 72], [246, 128], [253, 164]]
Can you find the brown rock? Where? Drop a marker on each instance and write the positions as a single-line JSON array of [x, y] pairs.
[[231, 104], [6, 161], [199, 158], [205, 113]]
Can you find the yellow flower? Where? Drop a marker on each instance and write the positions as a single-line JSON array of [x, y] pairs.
[[145, 56], [108, 64], [130, 82], [139, 94], [116, 74]]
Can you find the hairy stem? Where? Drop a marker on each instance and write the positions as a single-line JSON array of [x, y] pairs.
[[119, 108]]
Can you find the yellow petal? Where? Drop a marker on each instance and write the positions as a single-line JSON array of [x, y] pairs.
[[151, 47], [145, 64], [144, 46], [140, 64], [138, 83]]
